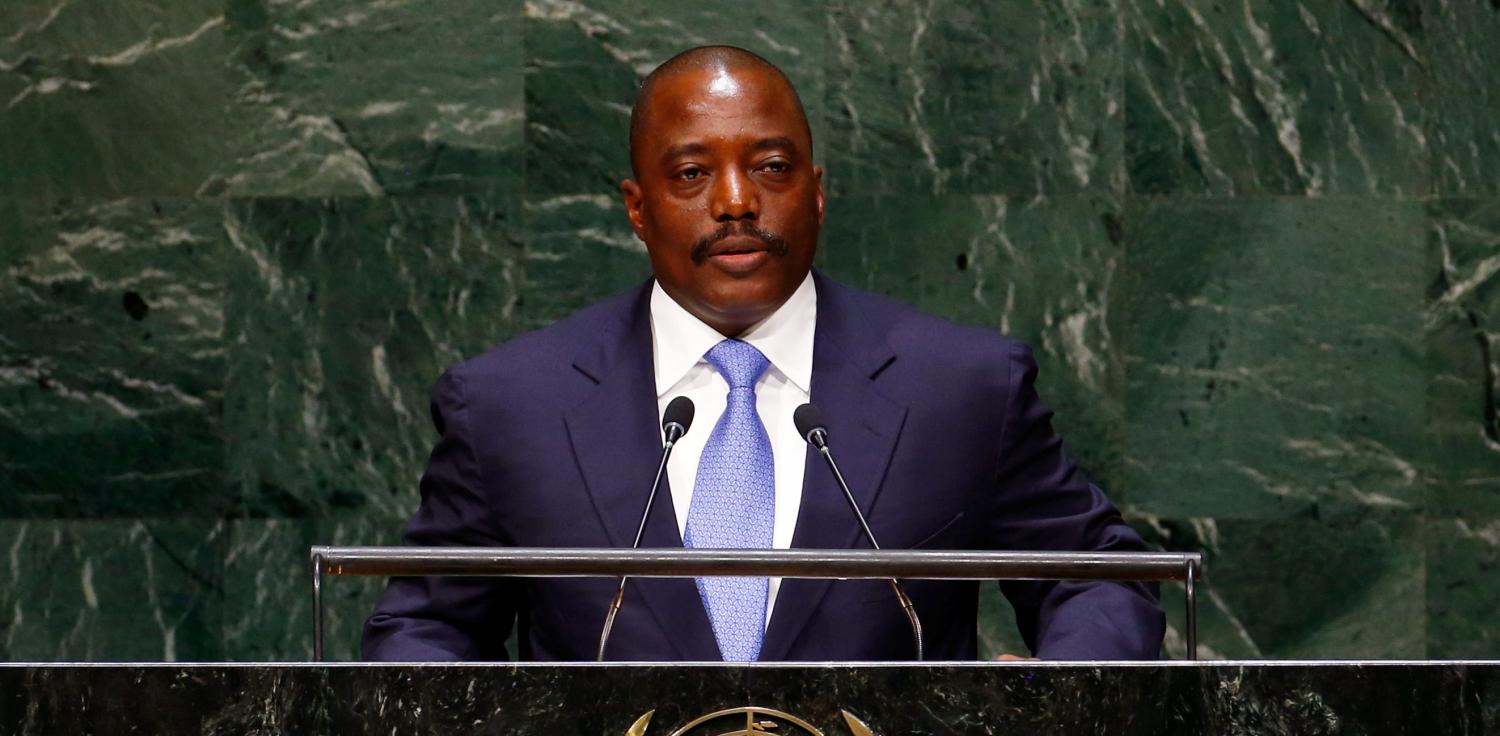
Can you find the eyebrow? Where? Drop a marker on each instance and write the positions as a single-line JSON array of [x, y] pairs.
[[777, 142], [696, 149], [684, 149]]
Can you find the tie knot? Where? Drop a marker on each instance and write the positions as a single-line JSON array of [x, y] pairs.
[[738, 362]]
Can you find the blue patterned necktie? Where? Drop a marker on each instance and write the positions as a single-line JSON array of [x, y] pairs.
[[734, 502]]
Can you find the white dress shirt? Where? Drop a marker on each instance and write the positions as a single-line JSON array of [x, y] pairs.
[[678, 342]]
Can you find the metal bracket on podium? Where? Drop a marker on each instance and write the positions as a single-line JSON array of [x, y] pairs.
[[1184, 567]]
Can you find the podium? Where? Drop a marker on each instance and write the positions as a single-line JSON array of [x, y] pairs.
[[699, 699], [1301, 698], [833, 699]]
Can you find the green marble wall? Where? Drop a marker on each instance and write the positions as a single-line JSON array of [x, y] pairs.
[[1256, 245]]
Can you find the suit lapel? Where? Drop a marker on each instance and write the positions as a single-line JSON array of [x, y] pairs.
[[863, 427], [617, 443]]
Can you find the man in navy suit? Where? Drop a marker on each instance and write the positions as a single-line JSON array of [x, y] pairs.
[[552, 439]]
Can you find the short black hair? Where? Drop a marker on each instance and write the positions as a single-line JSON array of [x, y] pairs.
[[698, 58]]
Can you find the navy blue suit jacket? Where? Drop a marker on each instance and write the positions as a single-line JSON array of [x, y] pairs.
[[552, 440]]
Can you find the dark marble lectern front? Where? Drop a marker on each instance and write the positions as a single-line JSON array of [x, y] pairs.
[[1300, 698]]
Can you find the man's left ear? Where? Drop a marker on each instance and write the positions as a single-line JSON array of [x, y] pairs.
[[818, 178]]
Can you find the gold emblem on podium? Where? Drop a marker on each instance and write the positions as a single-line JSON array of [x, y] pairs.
[[748, 721]]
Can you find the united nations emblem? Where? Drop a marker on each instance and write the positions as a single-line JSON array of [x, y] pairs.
[[747, 721]]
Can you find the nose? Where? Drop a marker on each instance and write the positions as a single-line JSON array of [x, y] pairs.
[[734, 197]]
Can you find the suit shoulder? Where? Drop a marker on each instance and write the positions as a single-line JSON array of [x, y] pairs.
[[540, 352], [912, 332]]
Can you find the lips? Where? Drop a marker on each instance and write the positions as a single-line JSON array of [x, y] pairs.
[[737, 240], [736, 246], [738, 256]]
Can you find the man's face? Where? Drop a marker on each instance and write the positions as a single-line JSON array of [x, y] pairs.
[[727, 199]]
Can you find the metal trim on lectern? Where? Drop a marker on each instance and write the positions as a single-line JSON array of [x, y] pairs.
[[1184, 567]]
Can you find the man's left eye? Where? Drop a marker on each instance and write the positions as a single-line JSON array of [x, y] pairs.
[[777, 167]]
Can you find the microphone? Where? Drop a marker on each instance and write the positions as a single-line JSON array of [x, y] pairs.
[[675, 422], [809, 421]]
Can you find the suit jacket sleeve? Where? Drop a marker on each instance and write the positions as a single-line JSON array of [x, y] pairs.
[[1044, 502], [446, 618]]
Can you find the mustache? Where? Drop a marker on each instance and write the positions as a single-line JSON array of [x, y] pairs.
[[774, 243]]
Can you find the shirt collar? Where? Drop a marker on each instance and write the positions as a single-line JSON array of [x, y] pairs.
[[786, 337]]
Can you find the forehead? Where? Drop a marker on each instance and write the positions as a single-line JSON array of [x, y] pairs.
[[719, 102]]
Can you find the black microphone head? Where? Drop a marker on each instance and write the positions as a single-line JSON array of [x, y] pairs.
[[809, 420], [679, 412]]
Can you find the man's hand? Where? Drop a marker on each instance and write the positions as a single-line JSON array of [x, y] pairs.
[[1007, 657]]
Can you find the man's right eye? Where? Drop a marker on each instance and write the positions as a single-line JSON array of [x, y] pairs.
[[690, 173]]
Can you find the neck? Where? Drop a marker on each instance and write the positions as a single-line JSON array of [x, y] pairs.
[[733, 324]]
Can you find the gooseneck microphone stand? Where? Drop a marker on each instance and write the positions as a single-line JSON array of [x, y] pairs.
[[674, 424], [810, 425]]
